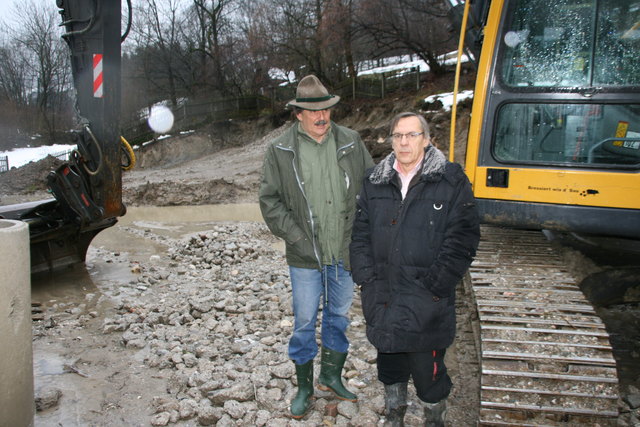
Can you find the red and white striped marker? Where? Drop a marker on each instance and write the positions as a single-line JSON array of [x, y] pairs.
[[97, 75]]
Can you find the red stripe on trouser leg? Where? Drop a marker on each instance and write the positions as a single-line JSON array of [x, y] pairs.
[[435, 366]]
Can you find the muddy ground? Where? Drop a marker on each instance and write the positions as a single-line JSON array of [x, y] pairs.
[[123, 340]]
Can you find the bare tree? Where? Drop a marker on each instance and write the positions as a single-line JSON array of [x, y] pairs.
[[194, 37], [13, 75], [254, 53], [419, 27], [156, 34], [214, 27], [337, 32], [292, 29], [14, 97], [14, 68], [312, 37], [37, 34], [261, 24]]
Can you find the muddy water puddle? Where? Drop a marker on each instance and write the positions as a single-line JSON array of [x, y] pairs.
[[187, 214], [172, 222], [113, 251], [125, 240], [71, 284]]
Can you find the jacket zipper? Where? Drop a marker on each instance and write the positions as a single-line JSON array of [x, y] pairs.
[[338, 157], [346, 146], [313, 225], [394, 220], [398, 215]]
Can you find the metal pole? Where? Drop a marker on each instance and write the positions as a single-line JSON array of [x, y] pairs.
[[353, 86], [454, 107]]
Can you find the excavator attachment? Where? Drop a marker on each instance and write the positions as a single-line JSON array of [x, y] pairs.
[[87, 189]]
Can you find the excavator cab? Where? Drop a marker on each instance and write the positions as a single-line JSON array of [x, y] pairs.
[[554, 137]]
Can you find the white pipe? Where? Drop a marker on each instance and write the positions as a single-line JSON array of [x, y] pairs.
[[17, 406]]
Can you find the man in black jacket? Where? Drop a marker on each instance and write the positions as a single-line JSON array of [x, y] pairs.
[[414, 236]]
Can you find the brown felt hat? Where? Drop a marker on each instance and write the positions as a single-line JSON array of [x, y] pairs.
[[312, 95]]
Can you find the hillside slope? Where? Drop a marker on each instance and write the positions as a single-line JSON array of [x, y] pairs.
[[201, 168]]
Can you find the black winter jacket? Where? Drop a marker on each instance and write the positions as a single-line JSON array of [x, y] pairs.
[[408, 256]]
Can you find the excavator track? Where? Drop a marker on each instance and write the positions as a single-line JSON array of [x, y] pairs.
[[545, 354]]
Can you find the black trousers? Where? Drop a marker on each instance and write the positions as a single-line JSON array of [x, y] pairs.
[[427, 369]]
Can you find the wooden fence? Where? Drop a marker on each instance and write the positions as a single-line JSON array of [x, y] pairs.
[[380, 85], [63, 155]]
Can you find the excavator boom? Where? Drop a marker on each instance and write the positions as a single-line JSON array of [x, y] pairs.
[[88, 188]]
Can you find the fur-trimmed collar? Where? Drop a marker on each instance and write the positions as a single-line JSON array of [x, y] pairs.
[[433, 166]]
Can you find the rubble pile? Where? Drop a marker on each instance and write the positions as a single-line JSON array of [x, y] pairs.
[[216, 320]]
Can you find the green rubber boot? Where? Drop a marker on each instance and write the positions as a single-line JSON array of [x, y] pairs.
[[331, 374], [302, 402]]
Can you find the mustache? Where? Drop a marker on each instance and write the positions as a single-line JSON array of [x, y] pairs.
[[320, 123]]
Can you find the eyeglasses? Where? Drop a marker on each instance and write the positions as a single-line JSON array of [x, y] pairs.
[[411, 136]]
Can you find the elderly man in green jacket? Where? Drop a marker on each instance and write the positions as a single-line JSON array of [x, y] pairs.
[[311, 176]]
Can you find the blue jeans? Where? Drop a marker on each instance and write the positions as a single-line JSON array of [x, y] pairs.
[[308, 287]]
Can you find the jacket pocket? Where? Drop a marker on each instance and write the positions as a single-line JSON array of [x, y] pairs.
[[374, 301], [419, 309], [301, 251]]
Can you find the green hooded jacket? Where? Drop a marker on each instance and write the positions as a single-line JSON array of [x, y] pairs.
[[283, 201]]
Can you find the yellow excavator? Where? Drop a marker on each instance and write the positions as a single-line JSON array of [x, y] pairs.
[[554, 145]]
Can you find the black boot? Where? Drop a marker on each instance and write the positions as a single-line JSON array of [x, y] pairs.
[[331, 374], [302, 402], [395, 402], [434, 413]]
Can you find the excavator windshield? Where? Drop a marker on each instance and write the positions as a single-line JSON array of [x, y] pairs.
[[587, 50], [571, 44]]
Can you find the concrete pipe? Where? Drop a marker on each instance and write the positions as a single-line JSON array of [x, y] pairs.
[[16, 355]]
